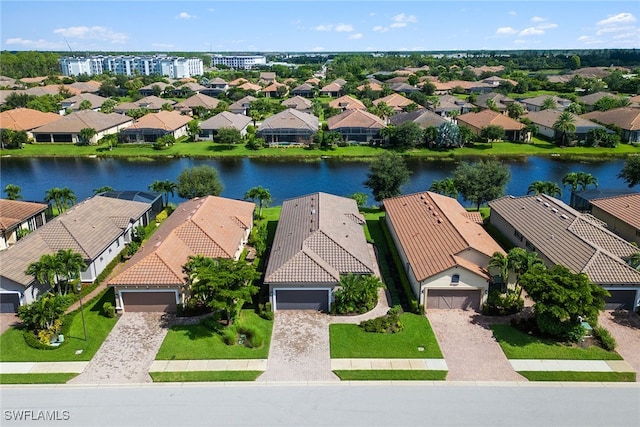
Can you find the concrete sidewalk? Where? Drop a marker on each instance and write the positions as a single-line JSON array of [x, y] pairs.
[[389, 364], [42, 367], [571, 365], [208, 365]]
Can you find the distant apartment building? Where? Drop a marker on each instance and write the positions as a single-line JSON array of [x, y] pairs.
[[169, 66], [238, 62]]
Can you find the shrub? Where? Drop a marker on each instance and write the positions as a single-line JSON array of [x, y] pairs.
[[607, 341], [358, 294], [387, 324], [162, 215], [252, 337], [229, 337], [264, 311], [108, 310], [499, 304], [34, 342]]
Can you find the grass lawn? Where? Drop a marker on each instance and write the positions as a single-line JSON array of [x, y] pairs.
[[350, 341], [579, 376], [197, 342], [384, 375], [518, 345], [204, 376], [98, 327], [60, 378]]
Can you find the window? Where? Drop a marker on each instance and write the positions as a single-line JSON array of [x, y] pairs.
[[530, 246], [517, 234], [455, 279]]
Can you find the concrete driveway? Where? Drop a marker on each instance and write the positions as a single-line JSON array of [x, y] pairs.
[[299, 348], [129, 350], [625, 328], [469, 348]]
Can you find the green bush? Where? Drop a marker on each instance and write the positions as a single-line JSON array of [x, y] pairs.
[[32, 341], [499, 304], [108, 310], [607, 341], [357, 294], [229, 337], [387, 324], [252, 337]]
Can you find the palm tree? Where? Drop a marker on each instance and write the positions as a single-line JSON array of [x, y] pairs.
[[383, 110], [566, 126], [46, 271], [586, 179], [445, 187], [571, 179], [13, 192], [549, 188], [102, 189], [548, 104], [86, 134], [491, 105], [71, 264], [634, 260], [165, 187], [67, 198], [515, 110], [521, 262], [54, 195], [262, 195], [193, 129], [499, 260]]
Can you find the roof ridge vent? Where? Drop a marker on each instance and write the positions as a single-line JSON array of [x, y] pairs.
[[538, 199], [563, 216], [546, 205], [554, 210]]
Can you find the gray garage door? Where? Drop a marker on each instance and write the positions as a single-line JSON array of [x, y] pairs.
[[621, 299], [458, 299], [149, 301], [9, 302], [302, 299]]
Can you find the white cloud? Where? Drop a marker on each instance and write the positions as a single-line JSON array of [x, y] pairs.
[[35, 44], [512, 13], [588, 40], [324, 27], [356, 36], [537, 19], [606, 30], [380, 28], [547, 26], [401, 17], [211, 10], [506, 30], [398, 25], [184, 15], [92, 33], [620, 18], [344, 28], [531, 31], [317, 49]]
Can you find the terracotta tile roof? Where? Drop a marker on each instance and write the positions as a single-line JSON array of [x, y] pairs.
[[25, 119], [304, 87], [75, 101], [250, 86], [90, 86], [539, 101], [165, 120], [485, 118], [297, 102], [192, 86], [273, 87], [373, 86], [51, 90], [626, 208], [332, 87], [313, 80], [33, 79], [212, 226], [319, 237], [238, 81], [347, 102], [566, 237], [88, 228], [226, 120], [355, 119], [434, 230], [290, 119], [161, 85], [15, 212], [79, 120], [198, 100], [625, 118], [395, 101]]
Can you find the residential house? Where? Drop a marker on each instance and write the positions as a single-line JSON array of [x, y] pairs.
[[333, 89], [267, 77], [581, 200], [289, 127], [51, 90], [494, 101], [357, 126], [68, 128], [225, 119], [313, 81], [195, 102], [627, 119], [424, 118], [372, 85], [319, 238], [404, 88], [448, 105], [305, 90], [299, 103], [155, 89], [97, 228], [150, 127], [537, 103], [275, 90], [17, 217], [73, 103], [514, 130], [10, 83], [25, 119], [238, 82], [242, 105], [395, 101], [215, 86], [151, 103], [592, 99], [189, 89], [561, 235], [621, 214], [347, 102], [91, 86], [545, 119], [154, 199], [250, 87], [153, 280]]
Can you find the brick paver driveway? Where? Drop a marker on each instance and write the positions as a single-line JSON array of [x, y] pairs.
[[468, 346], [625, 328], [7, 320], [127, 353], [299, 348]]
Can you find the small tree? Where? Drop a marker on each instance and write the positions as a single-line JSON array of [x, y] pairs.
[[565, 128], [446, 187], [482, 181], [85, 105], [228, 137], [13, 192], [193, 129], [360, 198], [86, 135], [357, 294], [199, 181], [108, 106], [549, 188], [630, 173], [102, 189], [386, 175], [492, 133], [165, 187], [164, 142], [43, 313], [262, 195]]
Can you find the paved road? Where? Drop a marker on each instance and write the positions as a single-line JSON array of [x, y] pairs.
[[444, 404]]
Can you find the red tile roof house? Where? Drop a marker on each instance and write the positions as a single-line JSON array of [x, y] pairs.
[[97, 228], [152, 280], [289, 127], [319, 238], [68, 128], [150, 127], [395, 101], [357, 126], [477, 121], [299, 103], [562, 235], [621, 214], [424, 118], [18, 215], [627, 119], [26, 119], [444, 248], [210, 127], [152, 89]]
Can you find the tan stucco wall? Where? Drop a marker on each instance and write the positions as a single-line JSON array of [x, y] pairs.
[[617, 226]]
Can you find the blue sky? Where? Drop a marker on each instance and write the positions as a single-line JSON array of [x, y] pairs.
[[268, 26]]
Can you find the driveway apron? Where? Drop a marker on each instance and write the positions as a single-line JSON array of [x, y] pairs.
[[299, 348], [127, 353], [625, 328], [469, 348]]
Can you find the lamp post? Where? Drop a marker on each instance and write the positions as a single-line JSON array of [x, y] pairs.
[[84, 325]]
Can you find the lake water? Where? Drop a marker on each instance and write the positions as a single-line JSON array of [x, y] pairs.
[[284, 178]]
